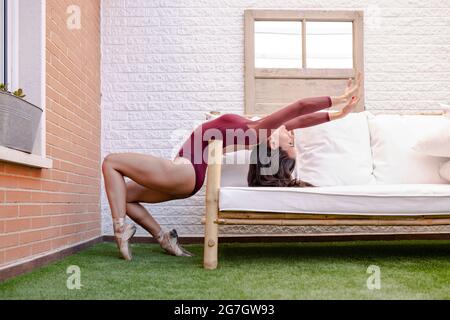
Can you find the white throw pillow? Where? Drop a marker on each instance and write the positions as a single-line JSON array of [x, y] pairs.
[[336, 153], [395, 160], [235, 169], [445, 171], [437, 142], [446, 110]]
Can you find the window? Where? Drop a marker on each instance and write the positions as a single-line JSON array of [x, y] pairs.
[[10, 41], [277, 44], [22, 65], [3, 22], [329, 45], [292, 54]]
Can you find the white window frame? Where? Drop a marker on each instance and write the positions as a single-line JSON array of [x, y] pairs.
[[38, 158]]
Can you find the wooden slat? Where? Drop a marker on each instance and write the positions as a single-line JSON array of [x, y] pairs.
[[335, 222], [249, 35], [291, 90], [358, 52], [295, 216], [376, 112], [298, 15], [304, 51], [279, 73]]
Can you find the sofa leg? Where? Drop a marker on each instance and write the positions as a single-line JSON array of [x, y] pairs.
[[215, 154], [210, 259]]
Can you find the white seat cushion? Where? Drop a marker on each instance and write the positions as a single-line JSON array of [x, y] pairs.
[[336, 153], [395, 160], [399, 199]]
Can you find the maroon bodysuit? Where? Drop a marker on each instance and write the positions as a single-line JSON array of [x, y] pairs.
[[233, 129]]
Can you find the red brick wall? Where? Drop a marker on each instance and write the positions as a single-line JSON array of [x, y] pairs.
[[46, 210]]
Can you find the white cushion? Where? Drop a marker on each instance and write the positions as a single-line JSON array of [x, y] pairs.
[[235, 169], [395, 160], [446, 110], [235, 165], [395, 199], [336, 153], [436, 142], [445, 171]]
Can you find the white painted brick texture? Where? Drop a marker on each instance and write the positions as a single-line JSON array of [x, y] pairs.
[[167, 62]]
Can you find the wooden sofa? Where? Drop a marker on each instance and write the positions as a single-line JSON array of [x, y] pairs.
[[215, 217]]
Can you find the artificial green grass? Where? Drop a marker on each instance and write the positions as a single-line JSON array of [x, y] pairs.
[[409, 270]]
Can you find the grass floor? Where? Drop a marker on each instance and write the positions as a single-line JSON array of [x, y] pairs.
[[409, 270]]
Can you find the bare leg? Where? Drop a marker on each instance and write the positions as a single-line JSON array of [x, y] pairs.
[[154, 173], [142, 217], [167, 239], [175, 180], [115, 190]]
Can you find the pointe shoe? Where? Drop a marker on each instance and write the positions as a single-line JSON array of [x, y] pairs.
[[169, 242], [123, 236]]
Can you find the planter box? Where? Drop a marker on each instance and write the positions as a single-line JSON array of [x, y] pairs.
[[19, 122]]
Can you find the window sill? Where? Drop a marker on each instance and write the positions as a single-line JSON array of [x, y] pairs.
[[30, 160]]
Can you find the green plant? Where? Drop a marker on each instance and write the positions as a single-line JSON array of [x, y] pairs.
[[18, 93], [3, 87]]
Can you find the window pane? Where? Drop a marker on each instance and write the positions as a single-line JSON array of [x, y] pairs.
[[278, 44], [2, 41], [329, 45]]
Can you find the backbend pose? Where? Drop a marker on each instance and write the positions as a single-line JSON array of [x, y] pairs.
[[156, 180]]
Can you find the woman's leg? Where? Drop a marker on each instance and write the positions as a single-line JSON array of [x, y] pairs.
[[142, 217], [154, 173], [175, 180], [167, 239], [137, 194]]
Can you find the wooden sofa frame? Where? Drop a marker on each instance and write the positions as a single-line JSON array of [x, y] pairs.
[[214, 217]]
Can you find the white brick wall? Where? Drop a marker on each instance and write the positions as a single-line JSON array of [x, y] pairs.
[[167, 62]]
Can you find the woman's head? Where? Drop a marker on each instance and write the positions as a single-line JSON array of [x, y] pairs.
[[272, 167], [284, 139]]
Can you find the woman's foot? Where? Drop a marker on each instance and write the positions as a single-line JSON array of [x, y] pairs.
[[123, 233], [168, 240], [352, 90]]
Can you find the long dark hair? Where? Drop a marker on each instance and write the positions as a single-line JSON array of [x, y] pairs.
[[262, 159]]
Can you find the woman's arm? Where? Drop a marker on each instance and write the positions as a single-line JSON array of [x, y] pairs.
[[317, 118], [292, 111], [308, 120]]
